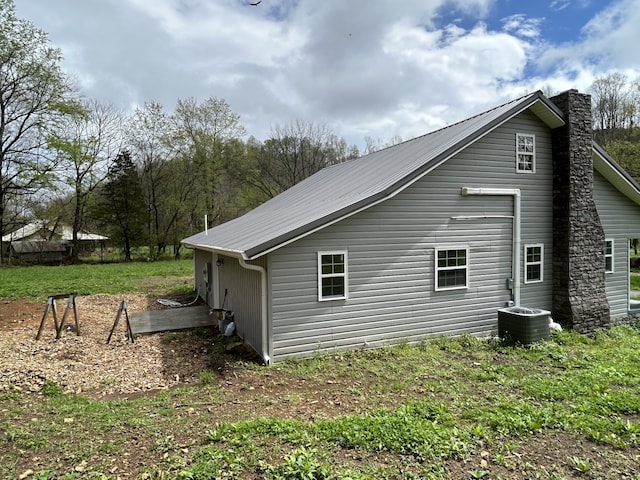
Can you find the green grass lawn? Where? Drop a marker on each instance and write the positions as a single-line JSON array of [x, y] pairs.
[[446, 408], [37, 282]]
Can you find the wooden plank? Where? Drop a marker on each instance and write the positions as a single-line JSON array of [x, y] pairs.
[[171, 319]]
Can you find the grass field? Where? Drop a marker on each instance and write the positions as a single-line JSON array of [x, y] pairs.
[[37, 282], [447, 408]]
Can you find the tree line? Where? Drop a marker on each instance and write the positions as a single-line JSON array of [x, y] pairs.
[[149, 177], [616, 119]]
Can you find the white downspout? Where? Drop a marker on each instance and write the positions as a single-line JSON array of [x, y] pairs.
[[515, 193], [517, 243], [263, 307]]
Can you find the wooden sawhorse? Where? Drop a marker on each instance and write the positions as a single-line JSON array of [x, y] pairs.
[[51, 306], [121, 309]]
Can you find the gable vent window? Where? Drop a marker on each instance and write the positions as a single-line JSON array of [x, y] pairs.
[[452, 268], [525, 153], [533, 256], [608, 256], [332, 275]]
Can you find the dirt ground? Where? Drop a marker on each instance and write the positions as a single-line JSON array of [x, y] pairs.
[[85, 363], [88, 366]]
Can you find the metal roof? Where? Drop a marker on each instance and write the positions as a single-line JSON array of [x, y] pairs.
[[22, 232], [615, 174], [341, 190], [65, 232]]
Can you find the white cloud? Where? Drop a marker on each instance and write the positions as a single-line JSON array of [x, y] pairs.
[[607, 43], [520, 25], [366, 68], [557, 5]]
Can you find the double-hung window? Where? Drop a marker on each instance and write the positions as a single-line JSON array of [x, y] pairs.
[[533, 263], [525, 153], [608, 256], [332, 275], [452, 268]]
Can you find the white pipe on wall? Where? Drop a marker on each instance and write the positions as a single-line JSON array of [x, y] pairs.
[[515, 193]]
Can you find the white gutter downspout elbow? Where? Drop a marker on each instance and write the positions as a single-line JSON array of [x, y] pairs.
[[263, 307], [517, 213]]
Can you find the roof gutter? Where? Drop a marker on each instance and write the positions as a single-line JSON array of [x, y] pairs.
[[515, 193], [214, 249], [263, 307]]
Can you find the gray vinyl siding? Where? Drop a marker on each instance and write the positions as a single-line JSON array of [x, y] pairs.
[[200, 260], [620, 218], [243, 291], [391, 255], [238, 290]]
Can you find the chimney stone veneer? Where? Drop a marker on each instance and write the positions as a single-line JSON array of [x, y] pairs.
[[579, 296]]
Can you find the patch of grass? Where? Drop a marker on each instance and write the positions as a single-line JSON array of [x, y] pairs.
[[207, 377], [37, 282], [51, 389], [301, 464]]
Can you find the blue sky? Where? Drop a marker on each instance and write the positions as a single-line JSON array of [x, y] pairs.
[[364, 68], [556, 21]]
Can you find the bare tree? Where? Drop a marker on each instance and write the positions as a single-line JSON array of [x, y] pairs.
[[373, 145], [202, 132], [33, 91], [149, 135], [294, 152], [613, 107], [85, 144]]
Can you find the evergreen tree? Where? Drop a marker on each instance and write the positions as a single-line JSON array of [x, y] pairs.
[[120, 204]]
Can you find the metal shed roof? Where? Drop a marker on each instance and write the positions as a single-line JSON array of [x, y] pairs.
[[341, 190]]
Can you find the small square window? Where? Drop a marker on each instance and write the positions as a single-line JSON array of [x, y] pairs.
[[533, 263], [332, 275], [525, 153], [608, 256], [452, 268]]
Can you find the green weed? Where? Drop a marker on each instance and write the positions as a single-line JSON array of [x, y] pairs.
[[51, 389], [300, 464], [581, 465], [207, 377]]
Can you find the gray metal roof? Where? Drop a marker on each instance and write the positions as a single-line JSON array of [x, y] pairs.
[[615, 174], [346, 188], [64, 232]]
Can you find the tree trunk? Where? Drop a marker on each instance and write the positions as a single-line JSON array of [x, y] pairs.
[[127, 248]]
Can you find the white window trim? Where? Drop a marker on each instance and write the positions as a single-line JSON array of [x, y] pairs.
[[438, 269], [322, 276], [527, 263], [612, 255], [533, 155]]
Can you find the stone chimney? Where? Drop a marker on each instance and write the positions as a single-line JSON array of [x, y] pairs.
[[579, 297]]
